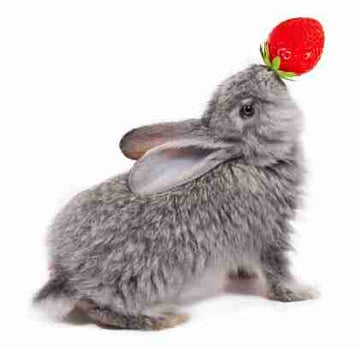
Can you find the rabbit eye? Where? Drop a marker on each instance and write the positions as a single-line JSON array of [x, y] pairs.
[[247, 111]]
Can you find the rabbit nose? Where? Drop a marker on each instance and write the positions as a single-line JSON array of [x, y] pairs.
[[272, 79]]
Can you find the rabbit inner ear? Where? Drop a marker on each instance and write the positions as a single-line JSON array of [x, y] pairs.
[[169, 166], [138, 141], [136, 148]]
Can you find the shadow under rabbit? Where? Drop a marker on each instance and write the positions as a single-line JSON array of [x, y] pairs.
[[248, 286]]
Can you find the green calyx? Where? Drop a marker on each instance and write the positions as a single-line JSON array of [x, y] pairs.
[[275, 63]]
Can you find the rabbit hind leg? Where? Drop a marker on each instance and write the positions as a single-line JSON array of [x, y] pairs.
[[106, 317]]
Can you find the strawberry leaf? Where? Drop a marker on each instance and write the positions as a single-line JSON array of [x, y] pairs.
[[286, 75], [266, 45], [276, 63], [266, 58], [262, 53], [289, 79]]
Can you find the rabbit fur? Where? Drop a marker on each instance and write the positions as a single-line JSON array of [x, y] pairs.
[[210, 195]]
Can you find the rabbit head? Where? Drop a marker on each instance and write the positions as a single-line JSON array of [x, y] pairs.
[[251, 116]]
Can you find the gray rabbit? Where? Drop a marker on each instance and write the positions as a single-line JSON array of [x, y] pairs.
[[209, 195]]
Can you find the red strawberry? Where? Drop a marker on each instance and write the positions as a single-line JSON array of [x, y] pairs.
[[294, 46]]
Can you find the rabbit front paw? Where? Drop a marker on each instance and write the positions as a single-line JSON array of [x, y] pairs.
[[292, 293]]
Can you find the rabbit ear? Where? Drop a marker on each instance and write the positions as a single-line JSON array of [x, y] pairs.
[[176, 163], [138, 141]]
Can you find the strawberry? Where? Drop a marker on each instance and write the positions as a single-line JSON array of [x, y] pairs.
[[294, 47]]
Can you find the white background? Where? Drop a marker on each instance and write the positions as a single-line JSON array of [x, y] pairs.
[[76, 75]]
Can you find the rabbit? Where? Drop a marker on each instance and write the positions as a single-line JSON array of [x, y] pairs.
[[215, 194]]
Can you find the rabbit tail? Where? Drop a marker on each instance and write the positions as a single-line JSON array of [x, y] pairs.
[[55, 298]]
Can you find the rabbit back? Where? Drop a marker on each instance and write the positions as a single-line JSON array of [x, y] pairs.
[[130, 250]]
